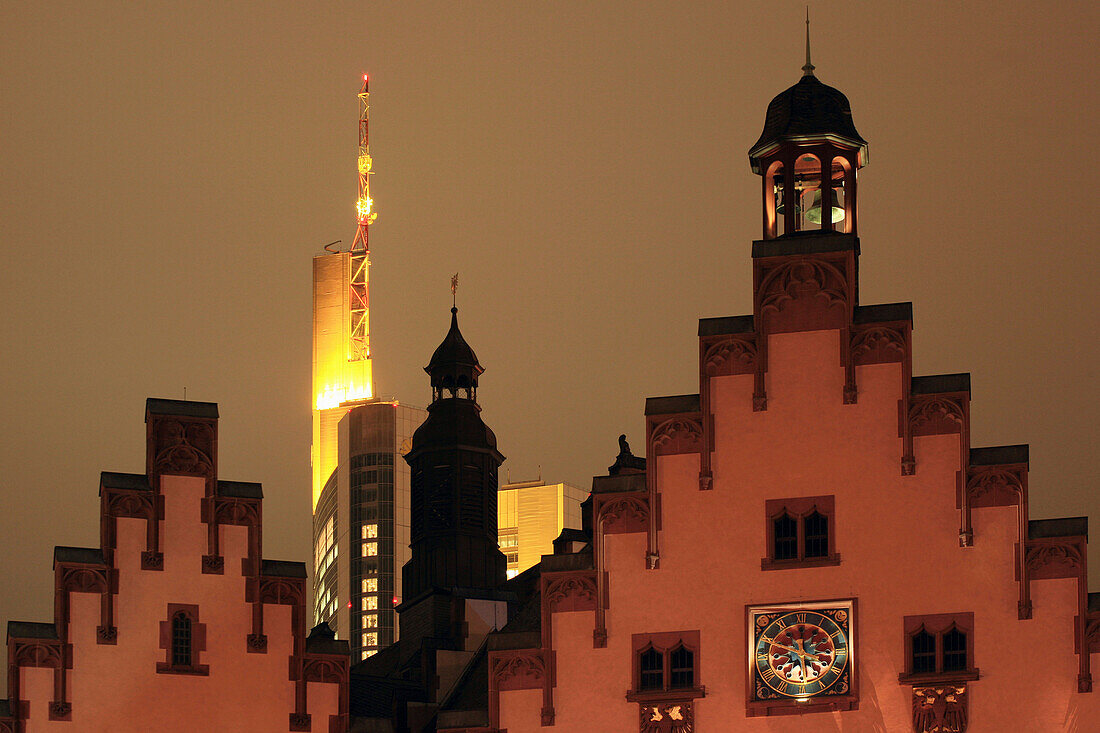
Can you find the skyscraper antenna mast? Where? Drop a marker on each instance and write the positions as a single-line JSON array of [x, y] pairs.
[[359, 346]]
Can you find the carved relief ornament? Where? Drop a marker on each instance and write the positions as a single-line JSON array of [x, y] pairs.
[[878, 344], [801, 278], [182, 447], [732, 355], [666, 717], [940, 708], [677, 435], [995, 486]]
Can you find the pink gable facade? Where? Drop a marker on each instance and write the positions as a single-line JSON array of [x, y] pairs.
[[176, 623]]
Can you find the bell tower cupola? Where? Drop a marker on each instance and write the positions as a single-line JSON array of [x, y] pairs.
[[454, 368], [808, 155]]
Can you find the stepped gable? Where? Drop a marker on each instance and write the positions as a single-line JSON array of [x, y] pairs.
[[179, 577]]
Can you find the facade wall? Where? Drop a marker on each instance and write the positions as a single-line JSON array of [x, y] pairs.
[[900, 555], [107, 662]]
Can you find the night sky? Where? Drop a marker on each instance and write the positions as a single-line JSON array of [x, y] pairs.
[[168, 170]]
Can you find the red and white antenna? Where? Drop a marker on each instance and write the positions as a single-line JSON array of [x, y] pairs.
[[359, 347]]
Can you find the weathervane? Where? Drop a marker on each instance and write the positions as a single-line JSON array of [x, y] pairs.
[[454, 290]]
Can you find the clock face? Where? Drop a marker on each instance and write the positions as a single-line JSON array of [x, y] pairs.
[[801, 651]]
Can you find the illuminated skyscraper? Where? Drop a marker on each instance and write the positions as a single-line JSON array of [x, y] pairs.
[[531, 515], [360, 485]]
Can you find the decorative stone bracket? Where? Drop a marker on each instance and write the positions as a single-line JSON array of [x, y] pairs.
[[934, 414], [86, 578], [876, 343], [617, 513], [1061, 557], [521, 669], [941, 708], [330, 668], [43, 653]]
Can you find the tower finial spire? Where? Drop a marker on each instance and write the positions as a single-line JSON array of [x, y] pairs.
[[454, 290], [808, 69]]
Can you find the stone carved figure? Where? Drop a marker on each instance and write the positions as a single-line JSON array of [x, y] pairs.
[[626, 462]]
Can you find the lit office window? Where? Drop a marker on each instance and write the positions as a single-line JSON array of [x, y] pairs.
[[370, 603], [365, 638], [370, 549], [370, 585], [370, 531], [370, 639], [370, 621]]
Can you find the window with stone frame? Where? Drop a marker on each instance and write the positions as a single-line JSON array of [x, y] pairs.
[[183, 640], [801, 532], [939, 648], [666, 666]]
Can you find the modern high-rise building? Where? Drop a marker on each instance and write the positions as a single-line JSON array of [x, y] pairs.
[[360, 484], [531, 515], [361, 525]]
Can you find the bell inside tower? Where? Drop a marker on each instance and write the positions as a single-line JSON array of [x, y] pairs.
[[807, 196]]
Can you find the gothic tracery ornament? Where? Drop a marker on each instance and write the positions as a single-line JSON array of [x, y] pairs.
[[730, 356], [802, 278], [678, 435]]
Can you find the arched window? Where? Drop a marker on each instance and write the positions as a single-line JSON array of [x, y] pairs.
[[954, 650], [651, 670], [844, 186], [800, 532], [181, 640], [682, 668], [816, 532], [940, 647], [773, 200], [807, 175], [786, 538], [664, 663], [924, 653]]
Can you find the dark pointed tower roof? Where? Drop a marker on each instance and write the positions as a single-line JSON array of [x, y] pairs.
[[453, 358], [806, 112]]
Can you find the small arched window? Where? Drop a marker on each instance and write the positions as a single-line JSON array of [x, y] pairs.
[[181, 640], [924, 653], [651, 670], [940, 647], [816, 531], [800, 532], [682, 668], [786, 538], [954, 650]]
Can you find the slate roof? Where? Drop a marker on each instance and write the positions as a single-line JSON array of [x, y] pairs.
[[808, 109], [83, 555], [283, 569], [31, 630], [454, 356], [941, 384], [725, 325], [181, 408], [133, 481], [1038, 529], [671, 405], [883, 313], [999, 455], [240, 489]]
